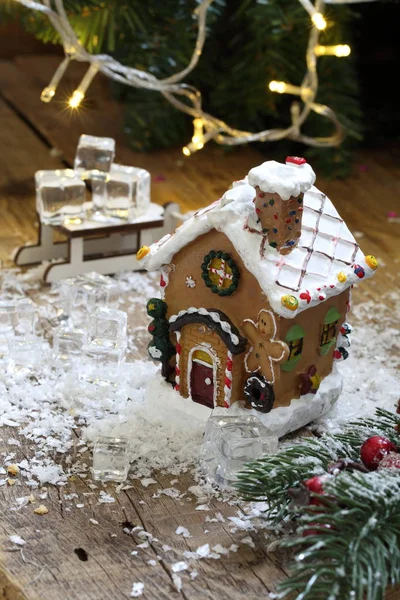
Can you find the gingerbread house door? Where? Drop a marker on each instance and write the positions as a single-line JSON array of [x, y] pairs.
[[202, 378]]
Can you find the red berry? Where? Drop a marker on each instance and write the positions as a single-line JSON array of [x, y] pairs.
[[374, 449], [316, 485], [390, 461]]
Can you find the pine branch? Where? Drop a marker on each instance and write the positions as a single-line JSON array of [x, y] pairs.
[[270, 478], [349, 548]]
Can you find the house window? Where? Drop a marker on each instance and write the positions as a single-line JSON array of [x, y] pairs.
[[294, 339], [220, 273], [329, 330]]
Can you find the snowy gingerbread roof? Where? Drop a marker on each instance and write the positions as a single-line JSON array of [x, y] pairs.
[[326, 260]]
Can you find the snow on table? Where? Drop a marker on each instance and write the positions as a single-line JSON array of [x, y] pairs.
[[163, 528]]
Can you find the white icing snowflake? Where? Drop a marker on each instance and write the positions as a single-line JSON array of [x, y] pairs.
[[154, 352], [207, 381], [190, 282]]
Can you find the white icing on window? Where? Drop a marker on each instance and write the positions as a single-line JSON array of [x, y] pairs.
[[207, 381]]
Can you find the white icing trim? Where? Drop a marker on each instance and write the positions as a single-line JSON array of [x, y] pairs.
[[209, 350], [216, 317]]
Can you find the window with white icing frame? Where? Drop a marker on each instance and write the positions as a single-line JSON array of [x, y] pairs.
[[294, 340], [329, 330]]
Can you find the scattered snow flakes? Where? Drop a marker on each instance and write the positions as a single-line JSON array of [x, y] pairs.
[[193, 574], [183, 532], [106, 498], [147, 481], [203, 551], [179, 566], [16, 539], [152, 562], [137, 589], [79, 505], [167, 548], [247, 540], [218, 518], [177, 582], [241, 524], [202, 507], [93, 521], [143, 545], [13, 442], [134, 552]]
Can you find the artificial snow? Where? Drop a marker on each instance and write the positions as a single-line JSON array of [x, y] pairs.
[[285, 180], [165, 431], [137, 590], [16, 539]]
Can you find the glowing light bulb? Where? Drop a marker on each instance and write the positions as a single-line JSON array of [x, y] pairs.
[[47, 94], [277, 86], [339, 50], [319, 21], [186, 151], [76, 99]]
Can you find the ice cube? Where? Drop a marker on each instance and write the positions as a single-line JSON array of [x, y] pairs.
[[230, 442], [67, 344], [26, 354], [60, 196], [17, 317], [127, 192], [110, 459], [94, 154], [107, 328], [80, 295]]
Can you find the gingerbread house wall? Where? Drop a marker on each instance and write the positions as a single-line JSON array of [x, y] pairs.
[[287, 387], [245, 303]]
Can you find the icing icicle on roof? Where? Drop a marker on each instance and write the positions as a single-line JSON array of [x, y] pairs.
[[326, 260]]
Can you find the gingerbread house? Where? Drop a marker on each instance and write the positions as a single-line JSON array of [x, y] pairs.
[[255, 292]]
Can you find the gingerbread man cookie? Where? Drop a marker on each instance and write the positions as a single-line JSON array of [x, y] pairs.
[[265, 351]]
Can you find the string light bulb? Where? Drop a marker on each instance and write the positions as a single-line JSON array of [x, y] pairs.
[[79, 93], [319, 21], [198, 142], [49, 91], [340, 50], [280, 87], [173, 87]]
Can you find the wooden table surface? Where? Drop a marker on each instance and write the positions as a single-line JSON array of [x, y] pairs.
[[37, 136]]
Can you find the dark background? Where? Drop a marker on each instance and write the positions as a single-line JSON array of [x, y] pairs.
[[376, 46]]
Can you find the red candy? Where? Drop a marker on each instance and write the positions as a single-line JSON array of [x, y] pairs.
[[306, 296], [295, 160]]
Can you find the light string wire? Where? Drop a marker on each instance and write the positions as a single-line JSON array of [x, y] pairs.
[[187, 98]]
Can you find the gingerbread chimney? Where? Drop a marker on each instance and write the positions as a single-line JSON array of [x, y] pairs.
[[279, 200]]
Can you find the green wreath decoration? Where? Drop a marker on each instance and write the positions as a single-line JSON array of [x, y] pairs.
[[232, 274]]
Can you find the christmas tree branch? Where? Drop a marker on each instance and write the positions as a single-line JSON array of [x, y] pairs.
[[348, 547], [347, 538], [270, 478]]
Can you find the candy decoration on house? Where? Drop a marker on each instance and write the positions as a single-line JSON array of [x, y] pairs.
[[274, 264], [339, 498]]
